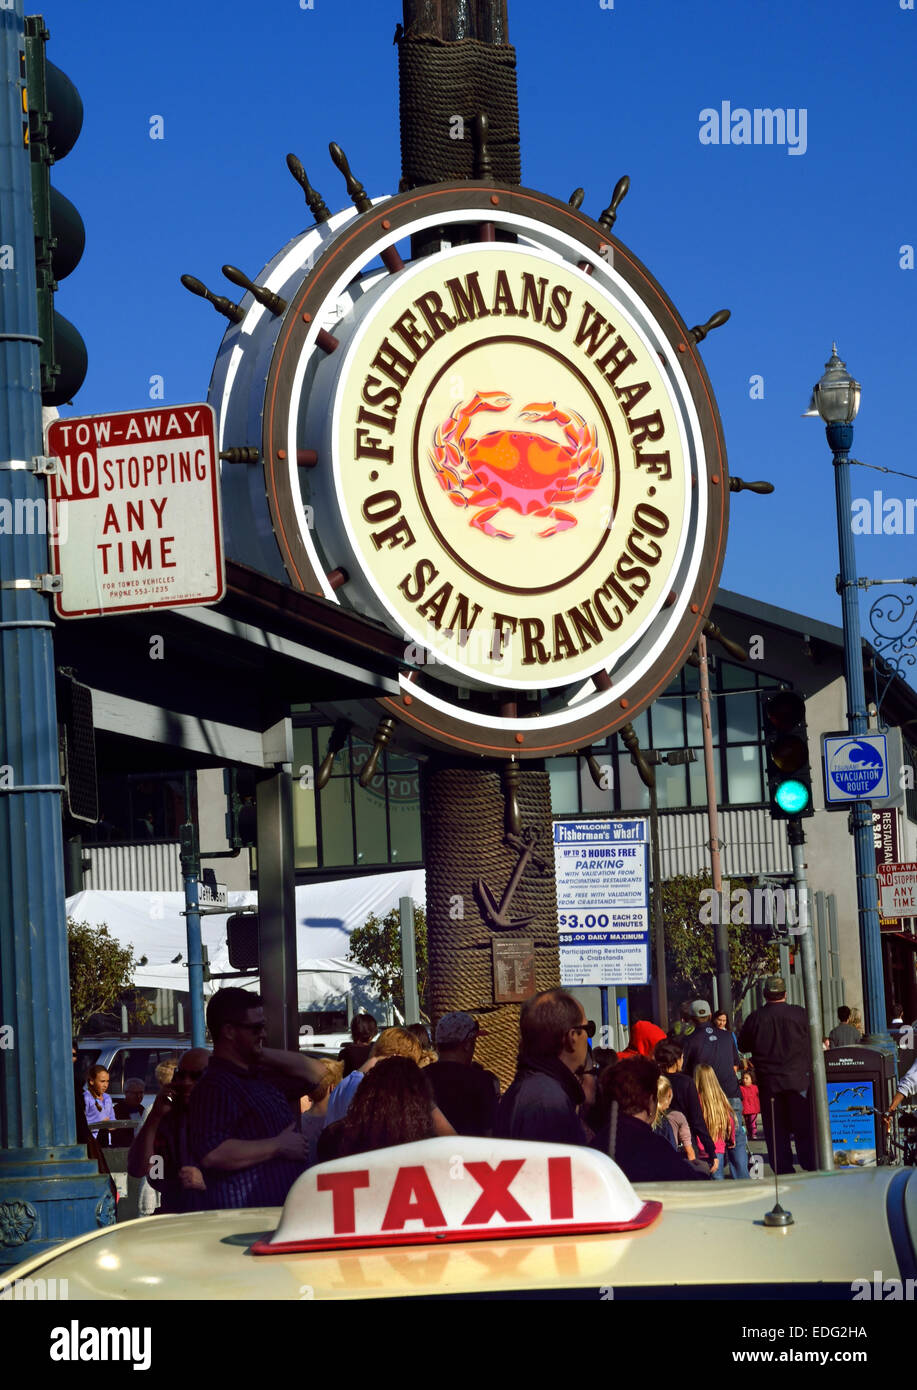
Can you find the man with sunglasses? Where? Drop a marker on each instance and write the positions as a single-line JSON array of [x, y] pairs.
[[544, 1100], [241, 1119], [160, 1151]]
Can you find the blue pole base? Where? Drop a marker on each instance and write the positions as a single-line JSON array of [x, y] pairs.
[[48, 1196]]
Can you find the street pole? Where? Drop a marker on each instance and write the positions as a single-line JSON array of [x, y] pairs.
[[645, 763], [824, 1148], [836, 398], [840, 439], [662, 995], [720, 920], [49, 1190], [191, 873], [409, 962]]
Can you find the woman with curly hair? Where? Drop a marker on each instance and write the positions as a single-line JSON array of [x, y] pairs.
[[391, 1042], [393, 1105], [718, 1115]]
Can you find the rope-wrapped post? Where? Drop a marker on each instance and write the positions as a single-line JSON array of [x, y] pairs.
[[454, 64], [465, 825]]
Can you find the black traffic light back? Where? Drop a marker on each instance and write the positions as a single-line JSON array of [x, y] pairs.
[[243, 938], [240, 786], [55, 112], [786, 753]]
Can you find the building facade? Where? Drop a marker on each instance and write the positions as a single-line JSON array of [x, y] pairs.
[[345, 829]]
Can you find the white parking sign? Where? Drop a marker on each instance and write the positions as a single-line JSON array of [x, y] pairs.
[[603, 901]]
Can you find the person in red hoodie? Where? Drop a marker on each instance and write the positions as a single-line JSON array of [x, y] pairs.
[[644, 1036]]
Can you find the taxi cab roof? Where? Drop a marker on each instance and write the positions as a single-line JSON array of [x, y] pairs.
[[659, 1239]]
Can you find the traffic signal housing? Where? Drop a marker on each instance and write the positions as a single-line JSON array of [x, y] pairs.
[[243, 938], [786, 753], [241, 785], [55, 118]]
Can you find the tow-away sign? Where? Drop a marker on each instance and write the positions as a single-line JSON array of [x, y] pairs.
[[897, 889], [137, 505]]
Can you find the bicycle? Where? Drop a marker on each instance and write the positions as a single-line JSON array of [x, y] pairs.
[[901, 1128]]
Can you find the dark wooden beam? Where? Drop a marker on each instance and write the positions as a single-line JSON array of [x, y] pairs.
[[458, 19]]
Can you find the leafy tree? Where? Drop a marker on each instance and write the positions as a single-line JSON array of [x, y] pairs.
[[376, 946], [689, 940], [101, 973]]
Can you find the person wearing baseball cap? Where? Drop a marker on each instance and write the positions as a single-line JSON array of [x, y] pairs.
[[465, 1093], [777, 1036]]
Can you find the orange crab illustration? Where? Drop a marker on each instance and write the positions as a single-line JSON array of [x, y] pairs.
[[527, 473]]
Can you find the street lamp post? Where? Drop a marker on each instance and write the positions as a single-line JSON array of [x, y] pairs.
[[836, 398]]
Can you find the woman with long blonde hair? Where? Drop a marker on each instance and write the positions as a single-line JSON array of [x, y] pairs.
[[718, 1115]]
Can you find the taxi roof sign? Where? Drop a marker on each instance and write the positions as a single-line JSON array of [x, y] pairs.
[[456, 1189]]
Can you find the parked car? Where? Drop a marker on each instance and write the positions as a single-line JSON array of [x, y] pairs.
[[126, 1057], [323, 1044]]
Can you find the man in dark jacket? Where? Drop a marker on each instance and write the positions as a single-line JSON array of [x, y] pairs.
[[669, 1058], [543, 1101], [777, 1037]]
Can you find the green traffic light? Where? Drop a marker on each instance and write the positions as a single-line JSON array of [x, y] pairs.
[[792, 797]]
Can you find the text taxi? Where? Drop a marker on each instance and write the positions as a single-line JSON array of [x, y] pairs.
[[469, 1217]]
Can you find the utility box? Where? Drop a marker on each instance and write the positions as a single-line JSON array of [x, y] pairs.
[[860, 1079]]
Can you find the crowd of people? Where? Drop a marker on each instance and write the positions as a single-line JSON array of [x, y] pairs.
[[236, 1126]]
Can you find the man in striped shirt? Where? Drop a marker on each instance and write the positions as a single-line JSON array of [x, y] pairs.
[[242, 1120]]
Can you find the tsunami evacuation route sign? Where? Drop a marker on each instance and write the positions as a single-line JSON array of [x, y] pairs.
[[855, 768]]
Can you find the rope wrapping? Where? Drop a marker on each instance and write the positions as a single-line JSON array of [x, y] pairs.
[[464, 813], [439, 81]]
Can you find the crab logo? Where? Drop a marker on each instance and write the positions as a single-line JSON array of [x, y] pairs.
[[530, 474]]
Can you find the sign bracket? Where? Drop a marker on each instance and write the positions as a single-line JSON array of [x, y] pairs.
[[38, 463], [44, 583]]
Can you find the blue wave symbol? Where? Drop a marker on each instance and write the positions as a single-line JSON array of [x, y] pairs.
[[862, 754]]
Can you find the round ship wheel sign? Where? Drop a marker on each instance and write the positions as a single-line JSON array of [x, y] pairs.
[[506, 451]]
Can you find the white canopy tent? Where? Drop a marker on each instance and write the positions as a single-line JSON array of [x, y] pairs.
[[326, 913]]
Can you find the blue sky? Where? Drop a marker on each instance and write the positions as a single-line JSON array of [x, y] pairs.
[[803, 248]]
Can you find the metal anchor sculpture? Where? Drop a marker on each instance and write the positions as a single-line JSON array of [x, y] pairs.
[[496, 917]]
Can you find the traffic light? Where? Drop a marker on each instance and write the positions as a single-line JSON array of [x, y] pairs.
[[55, 118], [786, 751], [240, 786], [243, 938]]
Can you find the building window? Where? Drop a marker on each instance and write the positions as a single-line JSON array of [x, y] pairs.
[[346, 826], [136, 807], [674, 722]]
